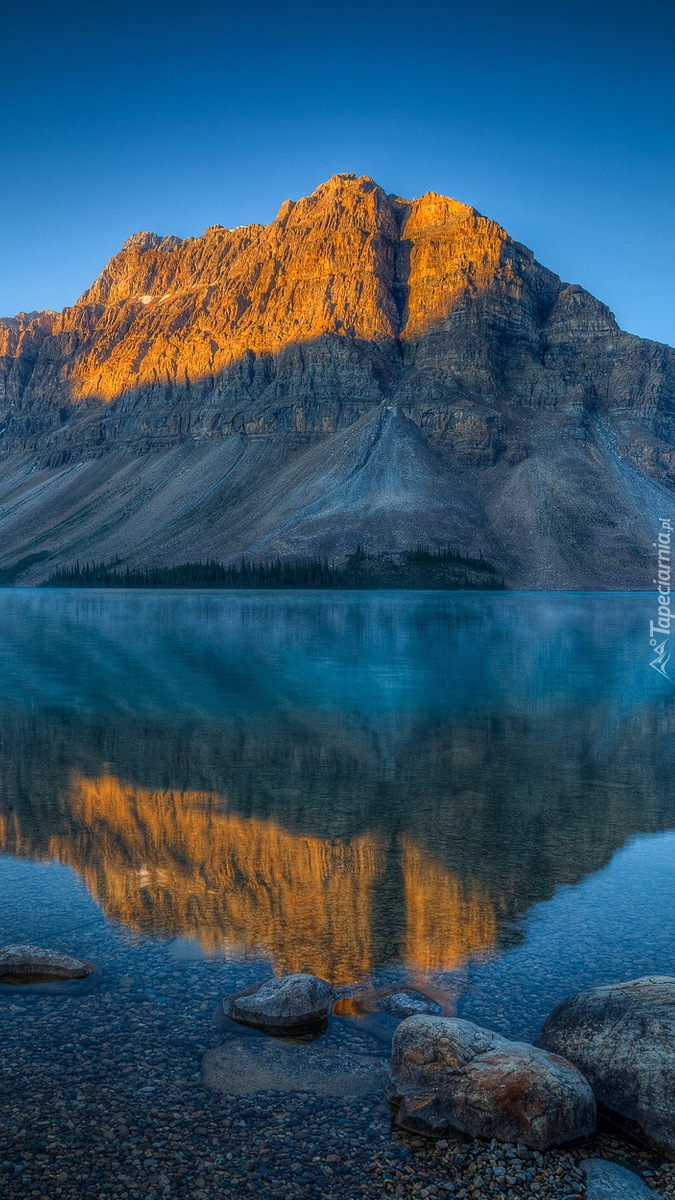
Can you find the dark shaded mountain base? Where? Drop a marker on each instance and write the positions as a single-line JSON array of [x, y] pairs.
[[420, 568]]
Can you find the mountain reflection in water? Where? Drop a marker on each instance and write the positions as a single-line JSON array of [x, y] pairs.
[[175, 862], [336, 783]]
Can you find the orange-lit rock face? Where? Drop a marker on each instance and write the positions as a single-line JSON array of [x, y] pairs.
[[171, 310], [452, 254], [364, 370], [176, 862], [347, 262], [247, 884]]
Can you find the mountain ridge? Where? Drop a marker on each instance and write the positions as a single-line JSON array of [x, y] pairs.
[[220, 395]]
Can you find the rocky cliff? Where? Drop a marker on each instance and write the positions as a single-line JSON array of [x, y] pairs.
[[364, 369]]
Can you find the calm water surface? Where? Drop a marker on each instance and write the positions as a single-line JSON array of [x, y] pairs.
[[472, 793]]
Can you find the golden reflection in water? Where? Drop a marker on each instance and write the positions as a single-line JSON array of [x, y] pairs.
[[178, 862], [446, 920]]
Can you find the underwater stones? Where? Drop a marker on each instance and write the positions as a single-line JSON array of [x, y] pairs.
[[286, 1005], [33, 964], [447, 1073], [622, 1036]]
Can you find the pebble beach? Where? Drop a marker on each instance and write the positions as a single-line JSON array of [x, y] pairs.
[[101, 1097]]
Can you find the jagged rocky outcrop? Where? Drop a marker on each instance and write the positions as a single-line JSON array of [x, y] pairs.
[[364, 369]]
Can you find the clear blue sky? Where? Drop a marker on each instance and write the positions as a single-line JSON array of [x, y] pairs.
[[557, 120]]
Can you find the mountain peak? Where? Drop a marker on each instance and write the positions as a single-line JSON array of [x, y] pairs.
[[341, 178], [345, 184], [484, 404], [152, 241]]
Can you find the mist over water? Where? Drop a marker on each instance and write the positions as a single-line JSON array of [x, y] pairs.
[[449, 788]]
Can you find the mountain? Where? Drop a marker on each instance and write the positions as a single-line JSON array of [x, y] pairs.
[[365, 369]]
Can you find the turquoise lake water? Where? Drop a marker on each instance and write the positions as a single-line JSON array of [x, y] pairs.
[[469, 792]]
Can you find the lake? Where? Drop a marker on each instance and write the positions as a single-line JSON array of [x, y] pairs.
[[466, 791], [470, 793]]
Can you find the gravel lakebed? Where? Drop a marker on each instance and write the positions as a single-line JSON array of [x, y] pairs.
[[101, 1096]]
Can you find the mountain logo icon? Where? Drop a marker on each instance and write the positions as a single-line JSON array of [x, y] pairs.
[[662, 656]]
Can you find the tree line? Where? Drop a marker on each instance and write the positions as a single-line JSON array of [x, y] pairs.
[[416, 568]]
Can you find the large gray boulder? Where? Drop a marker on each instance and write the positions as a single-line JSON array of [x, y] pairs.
[[622, 1036], [608, 1181], [447, 1073], [289, 1004], [33, 964]]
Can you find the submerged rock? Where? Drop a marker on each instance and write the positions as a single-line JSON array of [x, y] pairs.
[[243, 1067], [289, 1004], [608, 1181], [407, 1003], [33, 964], [449, 1073], [622, 1036]]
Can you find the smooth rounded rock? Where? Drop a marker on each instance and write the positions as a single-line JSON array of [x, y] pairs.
[[407, 1003], [289, 1004], [608, 1181], [622, 1036], [447, 1073], [33, 964], [242, 1067]]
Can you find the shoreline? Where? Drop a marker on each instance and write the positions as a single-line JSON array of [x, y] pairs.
[[102, 1097]]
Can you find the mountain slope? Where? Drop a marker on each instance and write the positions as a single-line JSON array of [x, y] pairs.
[[364, 369]]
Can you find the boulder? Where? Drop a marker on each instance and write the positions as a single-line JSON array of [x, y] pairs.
[[244, 1066], [33, 964], [447, 1073], [608, 1181], [407, 1003], [289, 1004], [622, 1036]]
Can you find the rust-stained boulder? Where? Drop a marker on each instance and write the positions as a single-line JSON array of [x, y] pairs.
[[447, 1073]]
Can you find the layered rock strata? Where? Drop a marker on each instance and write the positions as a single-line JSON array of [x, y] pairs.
[[363, 369]]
